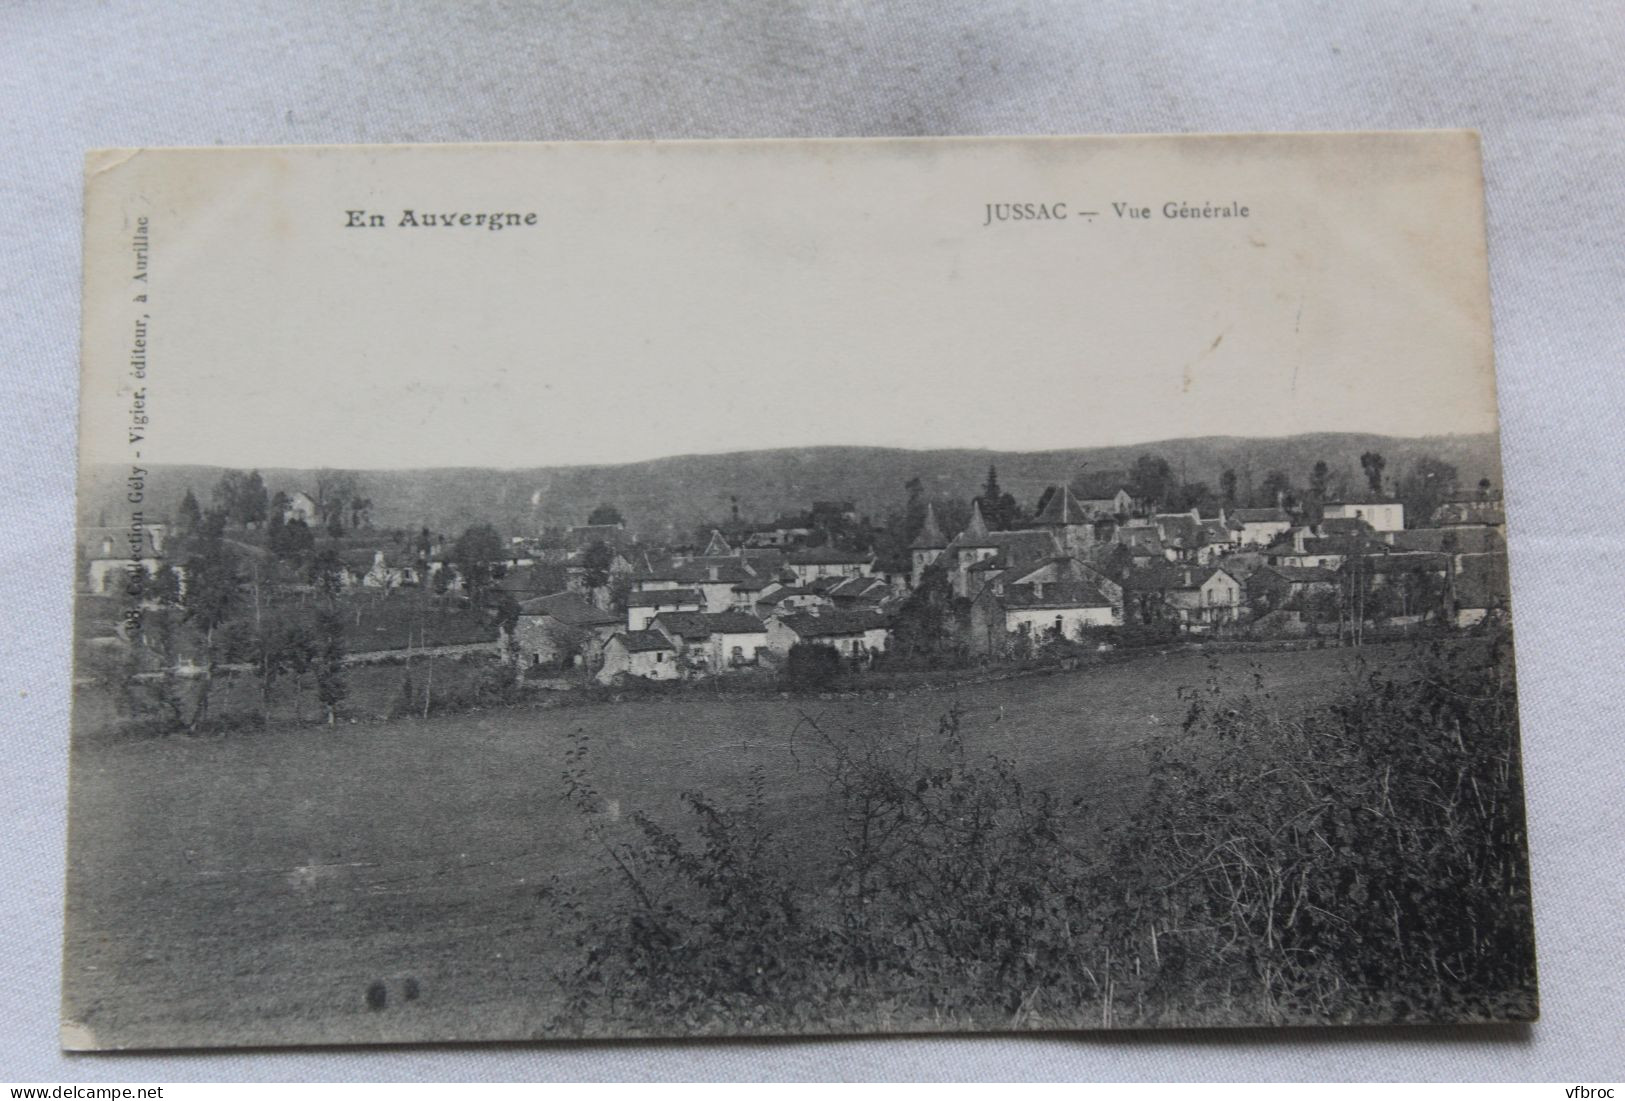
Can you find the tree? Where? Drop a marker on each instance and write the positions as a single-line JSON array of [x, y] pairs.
[[1277, 488], [283, 645], [1425, 486], [252, 502], [444, 578], [1315, 499], [1151, 480], [211, 597], [331, 686], [1227, 488], [335, 489], [924, 620], [326, 575], [1319, 479], [476, 554], [292, 542], [190, 515], [605, 514], [913, 507], [1373, 463], [595, 564], [164, 587], [999, 508], [1197, 495]]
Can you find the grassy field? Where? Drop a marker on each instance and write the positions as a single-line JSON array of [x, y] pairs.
[[250, 889]]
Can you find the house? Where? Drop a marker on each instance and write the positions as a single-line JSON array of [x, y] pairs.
[[1381, 513], [926, 547], [1300, 547], [303, 507], [109, 554], [716, 582], [1106, 493], [526, 582], [1468, 510], [1059, 596], [853, 634], [1261, 526], [788, 600], [1143, 543], [562, 627], [854, 592], [1181, 535], [641, 607], [1453, 541], [1221, 536], [749, 591], [390, 569], [648, 654], [1273, 587], [714, 641], [815, 562], [1196, 598]]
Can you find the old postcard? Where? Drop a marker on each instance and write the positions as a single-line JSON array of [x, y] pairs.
[[807, 587]]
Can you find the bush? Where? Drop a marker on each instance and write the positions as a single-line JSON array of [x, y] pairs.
[[1364, 862], [812, 667]]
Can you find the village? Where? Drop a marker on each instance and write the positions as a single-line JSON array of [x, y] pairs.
[[1097, 564]]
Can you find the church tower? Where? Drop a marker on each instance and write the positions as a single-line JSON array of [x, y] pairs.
[[927, 546], [1068, 520]]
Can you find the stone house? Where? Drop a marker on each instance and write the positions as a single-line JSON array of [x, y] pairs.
[[1197, 598], [648, 654], [788, 600], [562, 627], [1272, 587], [1261, 526], [714, 642], [1059, 596], [815, 562], [853, 634]]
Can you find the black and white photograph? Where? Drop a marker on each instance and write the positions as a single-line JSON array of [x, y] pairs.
[[784, 588]]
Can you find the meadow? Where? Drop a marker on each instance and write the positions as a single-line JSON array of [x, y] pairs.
[[380, 880]]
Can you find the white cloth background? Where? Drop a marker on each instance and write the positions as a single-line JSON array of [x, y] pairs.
[[1541, 81]]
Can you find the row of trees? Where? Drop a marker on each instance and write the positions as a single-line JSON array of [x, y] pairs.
[[242, 500]]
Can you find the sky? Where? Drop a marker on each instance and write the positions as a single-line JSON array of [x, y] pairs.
[[708, 297]]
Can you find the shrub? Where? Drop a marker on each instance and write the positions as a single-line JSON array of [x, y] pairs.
[[1364, 862], [812, 667]]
